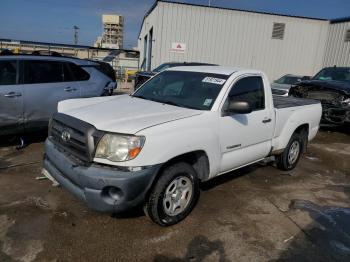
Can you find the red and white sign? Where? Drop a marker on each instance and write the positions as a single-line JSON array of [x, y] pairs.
[[178, 47]]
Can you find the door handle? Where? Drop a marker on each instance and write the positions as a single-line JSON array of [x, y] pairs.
[[266, 120], [69, 89], [12, 94]]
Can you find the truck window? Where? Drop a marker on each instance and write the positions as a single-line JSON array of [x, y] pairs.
[[38, 71], [8, 72], [249, 89]]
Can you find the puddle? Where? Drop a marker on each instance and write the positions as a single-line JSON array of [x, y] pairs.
[[331, 229]]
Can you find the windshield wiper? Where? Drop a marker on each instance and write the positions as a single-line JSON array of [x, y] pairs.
[[142, 97], [168, 102], [176, 104]]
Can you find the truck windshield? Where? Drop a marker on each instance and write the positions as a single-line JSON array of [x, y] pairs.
[[184, 89], [334, 73]]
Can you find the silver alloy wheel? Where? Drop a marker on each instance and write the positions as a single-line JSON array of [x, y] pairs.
[[177, 196], [293, 153]]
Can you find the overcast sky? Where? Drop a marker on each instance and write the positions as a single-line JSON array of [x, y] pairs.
[[53, 20]]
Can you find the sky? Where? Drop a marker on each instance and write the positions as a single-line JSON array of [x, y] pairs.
[[53, 20]]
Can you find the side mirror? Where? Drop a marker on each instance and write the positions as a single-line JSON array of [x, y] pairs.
[[238, 107]]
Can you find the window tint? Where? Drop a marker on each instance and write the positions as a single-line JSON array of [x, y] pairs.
[[334, 73], [107, 70], [37, 71], [8, 72], [67, 74], [78, 73], [251, 90]]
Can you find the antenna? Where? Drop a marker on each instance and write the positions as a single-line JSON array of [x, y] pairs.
[[76, 34]]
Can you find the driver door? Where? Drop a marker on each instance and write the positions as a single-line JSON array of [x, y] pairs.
[[245, 138]]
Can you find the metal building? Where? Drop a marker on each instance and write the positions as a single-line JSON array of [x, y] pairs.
[[276, 44], [338, 43]]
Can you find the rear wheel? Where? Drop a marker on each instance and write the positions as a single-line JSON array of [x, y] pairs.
[[291, 154], [173, 196]]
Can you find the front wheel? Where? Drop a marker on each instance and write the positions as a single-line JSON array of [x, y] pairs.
[[291, 154], [173, 196]]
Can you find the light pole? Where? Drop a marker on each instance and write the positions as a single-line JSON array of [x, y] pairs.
[[76, 34], [209, 2]]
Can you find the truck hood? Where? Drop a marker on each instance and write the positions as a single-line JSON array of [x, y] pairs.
[[123, 114]]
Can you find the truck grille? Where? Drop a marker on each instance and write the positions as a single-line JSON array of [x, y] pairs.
[[75, 137]]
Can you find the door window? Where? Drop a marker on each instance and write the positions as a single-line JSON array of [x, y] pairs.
[[67, 73], [8, 72], [79, 74], [250, 90], [38, 71]]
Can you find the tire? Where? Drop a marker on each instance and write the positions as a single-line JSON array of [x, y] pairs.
[[168, 203], [291, 154]]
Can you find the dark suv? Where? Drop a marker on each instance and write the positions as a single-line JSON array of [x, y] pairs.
[[331, 86]]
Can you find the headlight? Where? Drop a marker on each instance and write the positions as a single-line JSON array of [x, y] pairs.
[[119, 148]]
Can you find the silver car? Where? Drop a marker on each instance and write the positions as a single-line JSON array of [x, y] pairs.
[[31, 87], [281, 86]]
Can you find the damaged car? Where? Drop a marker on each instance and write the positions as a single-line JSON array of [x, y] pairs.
[[331, 86]]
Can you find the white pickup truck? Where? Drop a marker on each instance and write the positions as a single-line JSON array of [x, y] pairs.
[[184, 126]]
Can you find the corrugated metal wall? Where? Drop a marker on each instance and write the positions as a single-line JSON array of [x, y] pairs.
[[337, 49], [235, 38]]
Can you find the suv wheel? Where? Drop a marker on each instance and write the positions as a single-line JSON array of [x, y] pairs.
[[291, 154], [173, 196]]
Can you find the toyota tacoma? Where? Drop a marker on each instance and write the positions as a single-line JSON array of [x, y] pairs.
[[184, 126]]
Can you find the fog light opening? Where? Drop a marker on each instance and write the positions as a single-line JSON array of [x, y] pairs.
[[113, 193]]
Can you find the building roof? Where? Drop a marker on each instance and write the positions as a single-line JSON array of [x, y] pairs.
[[224, 8], [242, 10], [340, 20]]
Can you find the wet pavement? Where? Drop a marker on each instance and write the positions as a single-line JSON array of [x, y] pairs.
[[257, 213]]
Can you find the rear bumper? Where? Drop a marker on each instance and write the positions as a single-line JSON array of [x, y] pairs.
[[102, 188]]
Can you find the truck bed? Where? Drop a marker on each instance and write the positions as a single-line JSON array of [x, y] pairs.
[[288, 101]]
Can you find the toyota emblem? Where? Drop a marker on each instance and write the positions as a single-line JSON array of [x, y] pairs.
[[65, 136]]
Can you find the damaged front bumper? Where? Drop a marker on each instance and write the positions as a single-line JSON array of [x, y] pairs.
[[102, 188], [335, 115], [335, 103]]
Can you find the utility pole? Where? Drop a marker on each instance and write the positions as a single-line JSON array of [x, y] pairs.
[[76, 34]]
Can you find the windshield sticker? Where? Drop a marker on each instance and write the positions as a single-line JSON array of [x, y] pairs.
[[213, 80], [207, 102]]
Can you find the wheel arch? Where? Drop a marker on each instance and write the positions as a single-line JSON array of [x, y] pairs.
[[303, 130], [197, 159]]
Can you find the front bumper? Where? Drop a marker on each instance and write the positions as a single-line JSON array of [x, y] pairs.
[[102, 188], [335, 115]]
